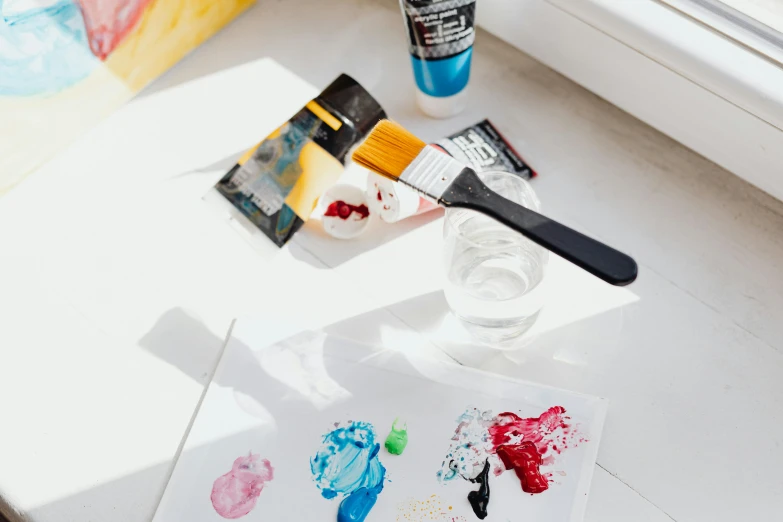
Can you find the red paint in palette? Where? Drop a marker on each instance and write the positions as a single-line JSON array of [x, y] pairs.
[[344, 210]]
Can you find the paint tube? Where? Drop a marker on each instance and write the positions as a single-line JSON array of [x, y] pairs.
[[275, 186], [392, 201], [483, 148], [440, 38], [480, 146]]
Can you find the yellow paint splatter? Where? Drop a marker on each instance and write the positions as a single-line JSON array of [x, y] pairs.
[[430, 509]]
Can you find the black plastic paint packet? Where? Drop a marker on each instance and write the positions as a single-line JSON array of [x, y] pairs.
[[275, 186]]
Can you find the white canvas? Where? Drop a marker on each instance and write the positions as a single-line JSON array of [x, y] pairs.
[[277, 399]]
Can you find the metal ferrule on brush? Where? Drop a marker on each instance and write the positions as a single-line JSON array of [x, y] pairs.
[[431, 173]]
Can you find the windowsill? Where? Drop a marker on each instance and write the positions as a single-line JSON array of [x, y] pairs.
[[702, 89], [697, 53]]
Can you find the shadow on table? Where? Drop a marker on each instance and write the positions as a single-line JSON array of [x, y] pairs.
[[222, 165], [313, 240], [422, 323], [131, 498], [264, 31], [187, 344]]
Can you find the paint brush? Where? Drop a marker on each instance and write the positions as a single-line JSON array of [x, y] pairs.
[[393, 152]]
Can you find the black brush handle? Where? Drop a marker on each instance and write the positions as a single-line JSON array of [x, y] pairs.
[[603, 261]]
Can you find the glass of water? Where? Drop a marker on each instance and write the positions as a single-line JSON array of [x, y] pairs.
[[494, 275]]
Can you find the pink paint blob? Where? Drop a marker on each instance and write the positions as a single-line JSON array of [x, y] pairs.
[[234, 494], [108, 22]]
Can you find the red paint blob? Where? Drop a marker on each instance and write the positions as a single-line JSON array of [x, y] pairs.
[[525, 445], [525, 460], [344, 210], [380, 196], [510, 428]]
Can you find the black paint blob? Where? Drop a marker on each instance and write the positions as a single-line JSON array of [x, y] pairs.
[[479, 500]]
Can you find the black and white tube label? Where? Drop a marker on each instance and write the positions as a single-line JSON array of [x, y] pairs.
[[440, 28]]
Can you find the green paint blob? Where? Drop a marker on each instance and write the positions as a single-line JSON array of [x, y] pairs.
[[397, 439]]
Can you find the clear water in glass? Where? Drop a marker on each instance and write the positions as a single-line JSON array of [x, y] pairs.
[[494, 276]]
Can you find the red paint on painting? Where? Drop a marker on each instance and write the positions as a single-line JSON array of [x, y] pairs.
[[525, 460], [344, 210], [108, 22]]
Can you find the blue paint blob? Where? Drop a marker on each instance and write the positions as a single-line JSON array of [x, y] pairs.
[[356, 506], [43, 50], [347, 464]]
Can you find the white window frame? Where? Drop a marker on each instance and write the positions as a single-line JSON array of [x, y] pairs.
[[705, 90], [721, 16]]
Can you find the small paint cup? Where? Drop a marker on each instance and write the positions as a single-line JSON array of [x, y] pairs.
[[346, 213]]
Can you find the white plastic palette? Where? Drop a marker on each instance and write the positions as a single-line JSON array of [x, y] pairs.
[[278, 399]]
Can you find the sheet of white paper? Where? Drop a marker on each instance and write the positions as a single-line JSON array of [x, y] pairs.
[[277, 399]]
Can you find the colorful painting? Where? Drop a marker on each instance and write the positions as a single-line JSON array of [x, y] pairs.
[[66, 64], [378, 437]]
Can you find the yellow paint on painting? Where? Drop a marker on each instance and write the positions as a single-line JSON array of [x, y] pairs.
[[167, 31], [32, 129]]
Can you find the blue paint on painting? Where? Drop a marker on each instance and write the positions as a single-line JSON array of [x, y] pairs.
[[43, 50], [347, 464]]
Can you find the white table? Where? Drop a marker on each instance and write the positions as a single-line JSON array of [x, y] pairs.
[[119, 283]]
